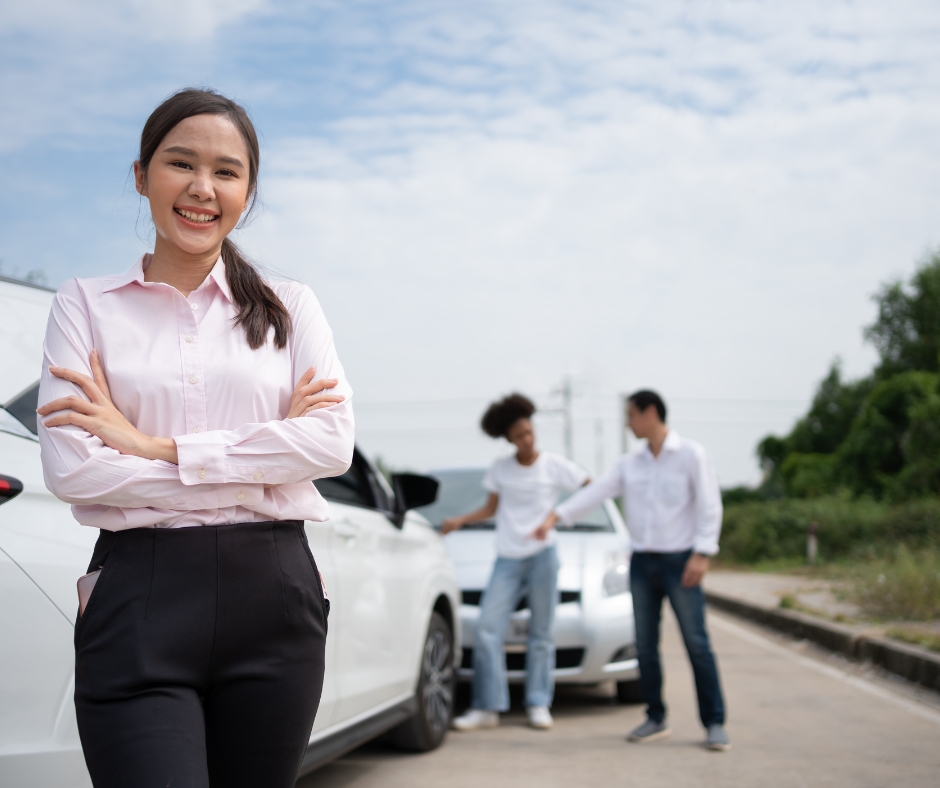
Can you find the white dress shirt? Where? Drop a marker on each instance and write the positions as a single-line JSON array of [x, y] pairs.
[[178, 367], [673, 502]]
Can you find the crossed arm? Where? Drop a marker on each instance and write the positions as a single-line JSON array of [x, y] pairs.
[[99, 417]]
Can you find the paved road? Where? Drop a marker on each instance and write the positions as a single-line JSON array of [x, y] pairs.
[[795, 720]]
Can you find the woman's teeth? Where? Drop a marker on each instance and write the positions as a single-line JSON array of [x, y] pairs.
[[196, 217]]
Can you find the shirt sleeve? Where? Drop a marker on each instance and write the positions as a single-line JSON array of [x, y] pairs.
[[78, 467], [571, 476], [588, 498], [490, 479], [287, 451], [708, 507]]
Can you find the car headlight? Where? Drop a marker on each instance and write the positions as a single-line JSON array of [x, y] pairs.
[[616, 578]]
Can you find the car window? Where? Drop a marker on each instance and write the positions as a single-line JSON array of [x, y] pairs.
[[23, 408], [353, 487]]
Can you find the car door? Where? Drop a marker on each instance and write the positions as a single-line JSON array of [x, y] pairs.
[[368, 598]]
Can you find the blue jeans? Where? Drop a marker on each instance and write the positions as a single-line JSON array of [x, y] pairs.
[[652, 577], [536, 577]]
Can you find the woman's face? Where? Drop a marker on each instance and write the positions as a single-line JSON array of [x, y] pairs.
[[197, 184], [522, 435]]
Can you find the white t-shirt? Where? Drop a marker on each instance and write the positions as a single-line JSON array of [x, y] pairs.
[[527, 493]]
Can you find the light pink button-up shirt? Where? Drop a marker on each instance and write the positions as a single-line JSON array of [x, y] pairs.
[[178, 367]]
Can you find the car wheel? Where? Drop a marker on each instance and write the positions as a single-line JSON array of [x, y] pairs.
[[436, 685], [629, 692]]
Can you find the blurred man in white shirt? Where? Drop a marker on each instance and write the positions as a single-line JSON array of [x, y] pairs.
[[673, 512]]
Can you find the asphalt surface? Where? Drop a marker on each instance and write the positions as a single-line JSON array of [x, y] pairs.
[[797, 717]]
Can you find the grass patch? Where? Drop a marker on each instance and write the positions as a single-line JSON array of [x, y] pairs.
[[790, 602], [928, 640], [903, 586]]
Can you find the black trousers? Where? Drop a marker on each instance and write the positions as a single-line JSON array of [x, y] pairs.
[[199, 658]]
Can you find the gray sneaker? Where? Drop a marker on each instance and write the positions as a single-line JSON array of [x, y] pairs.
[[717, 739], [649, 731]]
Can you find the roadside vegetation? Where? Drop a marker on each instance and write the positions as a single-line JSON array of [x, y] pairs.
[[862, 470]]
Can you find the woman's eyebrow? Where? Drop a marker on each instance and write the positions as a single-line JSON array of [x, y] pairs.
[[219, 159]]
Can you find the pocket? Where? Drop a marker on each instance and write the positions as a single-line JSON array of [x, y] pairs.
[[102, 562], [674, 489], [318, 578]]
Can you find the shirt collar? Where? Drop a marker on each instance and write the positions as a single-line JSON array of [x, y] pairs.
[[672, 442], [136, 274]]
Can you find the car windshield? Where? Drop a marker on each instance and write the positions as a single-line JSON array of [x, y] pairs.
[[462, 491]]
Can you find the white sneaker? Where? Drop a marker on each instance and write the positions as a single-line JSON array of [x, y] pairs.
[[540, 717], [475, 719]]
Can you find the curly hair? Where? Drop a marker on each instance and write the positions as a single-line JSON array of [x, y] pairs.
[[500, 416]]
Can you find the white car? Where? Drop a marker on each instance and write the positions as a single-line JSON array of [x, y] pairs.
[[594, 628], [392, 646]]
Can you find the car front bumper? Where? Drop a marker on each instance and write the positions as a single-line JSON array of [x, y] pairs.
[[591, 645]]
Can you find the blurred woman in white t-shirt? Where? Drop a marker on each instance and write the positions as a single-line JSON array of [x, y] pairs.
[[523, 488]]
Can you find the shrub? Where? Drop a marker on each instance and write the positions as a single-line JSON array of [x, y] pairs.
[[772, 530]]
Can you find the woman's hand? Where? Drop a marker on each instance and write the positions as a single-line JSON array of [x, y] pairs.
[[541, 533], [307, 396], [100, 418], [451, 524]]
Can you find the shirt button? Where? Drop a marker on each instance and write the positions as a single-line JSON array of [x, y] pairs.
[[240, 497], [201, 474], [189, 338], [194, 306], [258, 476], [196, 429], [193, 379]]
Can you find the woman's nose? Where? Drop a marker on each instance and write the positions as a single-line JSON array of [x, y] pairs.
[[201, 186]]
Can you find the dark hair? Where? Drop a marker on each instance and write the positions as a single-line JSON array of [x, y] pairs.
[[259, 308], [500, 416], [644, 398]]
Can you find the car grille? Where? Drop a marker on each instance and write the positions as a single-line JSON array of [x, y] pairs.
[[473, 598], [564, 658]]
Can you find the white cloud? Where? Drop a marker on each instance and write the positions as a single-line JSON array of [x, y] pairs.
[[695, 196]]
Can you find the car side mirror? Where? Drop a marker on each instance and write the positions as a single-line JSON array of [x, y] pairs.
[[412, 490]]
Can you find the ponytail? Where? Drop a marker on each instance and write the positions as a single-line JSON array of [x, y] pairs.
[[258, 305]]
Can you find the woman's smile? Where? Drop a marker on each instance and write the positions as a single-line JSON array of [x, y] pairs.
[[196, 217]]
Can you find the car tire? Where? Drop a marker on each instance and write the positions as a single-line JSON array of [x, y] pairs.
[[436, 688], [629, 692]]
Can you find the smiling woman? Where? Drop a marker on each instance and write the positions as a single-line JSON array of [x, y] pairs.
[[185, 413]]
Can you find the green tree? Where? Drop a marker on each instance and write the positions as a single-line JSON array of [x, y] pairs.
[[907, 329]]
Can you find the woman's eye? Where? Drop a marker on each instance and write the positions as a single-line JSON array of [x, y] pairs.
[[182, 165], [227, 173]]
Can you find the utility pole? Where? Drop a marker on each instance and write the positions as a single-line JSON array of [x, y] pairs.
[[623, 423], [598, 446], [566, 412]]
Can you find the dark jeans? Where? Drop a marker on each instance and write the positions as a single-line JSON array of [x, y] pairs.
[[654, 576], [199, 658]]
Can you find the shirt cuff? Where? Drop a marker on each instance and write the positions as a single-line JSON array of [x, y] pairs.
[[705, 547], [562, 514], [201, 458]]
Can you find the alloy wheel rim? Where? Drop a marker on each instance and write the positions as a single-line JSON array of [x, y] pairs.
[[438, 681]]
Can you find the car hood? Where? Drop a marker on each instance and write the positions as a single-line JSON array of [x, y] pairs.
[[474, 553]]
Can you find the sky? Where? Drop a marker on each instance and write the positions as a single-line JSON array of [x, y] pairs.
[[699, 198]]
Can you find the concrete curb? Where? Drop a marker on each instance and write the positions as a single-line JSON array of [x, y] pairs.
[[910, 662]]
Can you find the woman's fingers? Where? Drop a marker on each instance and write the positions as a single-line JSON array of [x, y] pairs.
[[87, 384], [315, 387], [305, 378], [97, 372], [71, 402], [70, 417], [317, 407]]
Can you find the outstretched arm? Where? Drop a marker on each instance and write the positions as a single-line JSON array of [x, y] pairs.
[[485, 512]]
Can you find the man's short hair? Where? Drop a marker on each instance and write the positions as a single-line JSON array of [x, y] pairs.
[[644, 398]]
